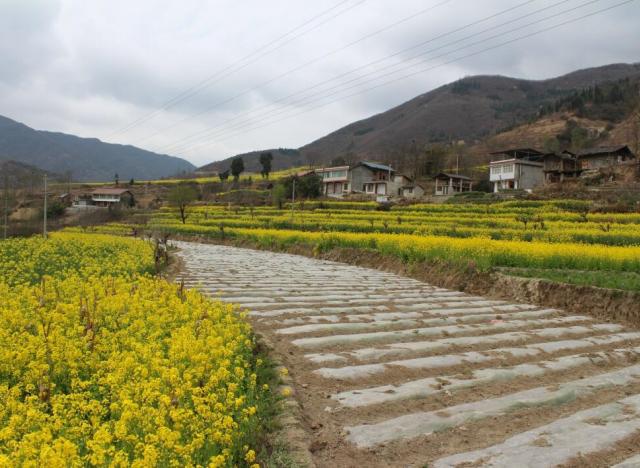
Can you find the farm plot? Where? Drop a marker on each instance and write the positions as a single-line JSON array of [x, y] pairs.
[[103, 364], [563, 241], [391, 371]]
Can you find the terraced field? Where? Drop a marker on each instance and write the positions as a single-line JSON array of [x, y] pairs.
[[390, 371]]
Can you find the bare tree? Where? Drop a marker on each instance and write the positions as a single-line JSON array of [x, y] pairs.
[[181, 196]]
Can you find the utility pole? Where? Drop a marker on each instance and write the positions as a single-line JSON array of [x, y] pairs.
[[44, 225], [293, 197]]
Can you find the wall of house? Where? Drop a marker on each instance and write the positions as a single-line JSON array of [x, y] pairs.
[[416, 192], [334, 189], [553, 164], [596, 162], [528, 176], [360, 176]]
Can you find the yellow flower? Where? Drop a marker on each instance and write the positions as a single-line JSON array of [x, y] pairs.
[[134, 375], [250, 456]]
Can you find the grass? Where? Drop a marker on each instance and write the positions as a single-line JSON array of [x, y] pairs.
[[627, 281], [280, 457]]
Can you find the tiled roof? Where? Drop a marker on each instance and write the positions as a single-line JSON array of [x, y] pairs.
[[602, 150], [377, 166], [109, 191], [452, 176]]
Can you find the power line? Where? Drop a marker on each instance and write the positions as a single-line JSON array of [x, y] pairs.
[[322, 95], [306, 100], [300, 67], [502, 44], [239, 65], [249, 123], [210, 130]]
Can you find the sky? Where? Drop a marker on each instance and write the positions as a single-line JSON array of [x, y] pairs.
[[207, 79]]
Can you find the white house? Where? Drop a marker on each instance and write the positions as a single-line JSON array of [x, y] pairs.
[[518, 169], [366, 177], [112, 196], [335, 180]]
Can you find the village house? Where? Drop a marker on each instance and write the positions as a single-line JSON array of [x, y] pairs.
[[112, 197], [560, 167], [517, 169], [602, 157], [65, 199], [366, 177], [449, 184], [407, 187], [335, 181]]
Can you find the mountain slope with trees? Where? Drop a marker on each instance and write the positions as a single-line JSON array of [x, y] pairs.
[[470, 110]]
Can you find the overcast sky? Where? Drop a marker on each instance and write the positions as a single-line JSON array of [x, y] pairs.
[[280, 73]]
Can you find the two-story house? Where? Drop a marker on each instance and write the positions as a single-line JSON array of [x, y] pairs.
[[366, 177], [516, 169], [335, 180], [560, 167]]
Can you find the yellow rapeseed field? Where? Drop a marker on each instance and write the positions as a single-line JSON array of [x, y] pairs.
[[102, 364]]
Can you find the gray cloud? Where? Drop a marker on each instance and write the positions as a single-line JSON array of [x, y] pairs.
[[90, 68]]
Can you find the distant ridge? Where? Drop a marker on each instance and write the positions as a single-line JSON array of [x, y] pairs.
[[88, 159], [473, 109]]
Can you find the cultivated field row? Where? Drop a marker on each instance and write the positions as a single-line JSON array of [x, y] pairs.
[[394, 372]]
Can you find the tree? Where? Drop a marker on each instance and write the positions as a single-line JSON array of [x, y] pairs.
[[55, 210], [132, 182], [223, 176], [265, 160], [181, 196], [116, 178], [551, 145], [237, 168], [279, 194], [339, 161], [307, 186]]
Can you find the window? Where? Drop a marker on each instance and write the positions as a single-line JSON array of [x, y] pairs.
[[508, 168], [369, 188], [345, 187], [334, 174], [496, 169]]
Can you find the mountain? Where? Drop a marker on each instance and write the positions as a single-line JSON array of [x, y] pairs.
[[23, 175], [283, 158], [88, 159], [471, 109]]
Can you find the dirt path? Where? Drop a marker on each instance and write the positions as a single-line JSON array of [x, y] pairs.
[[391, 371]]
